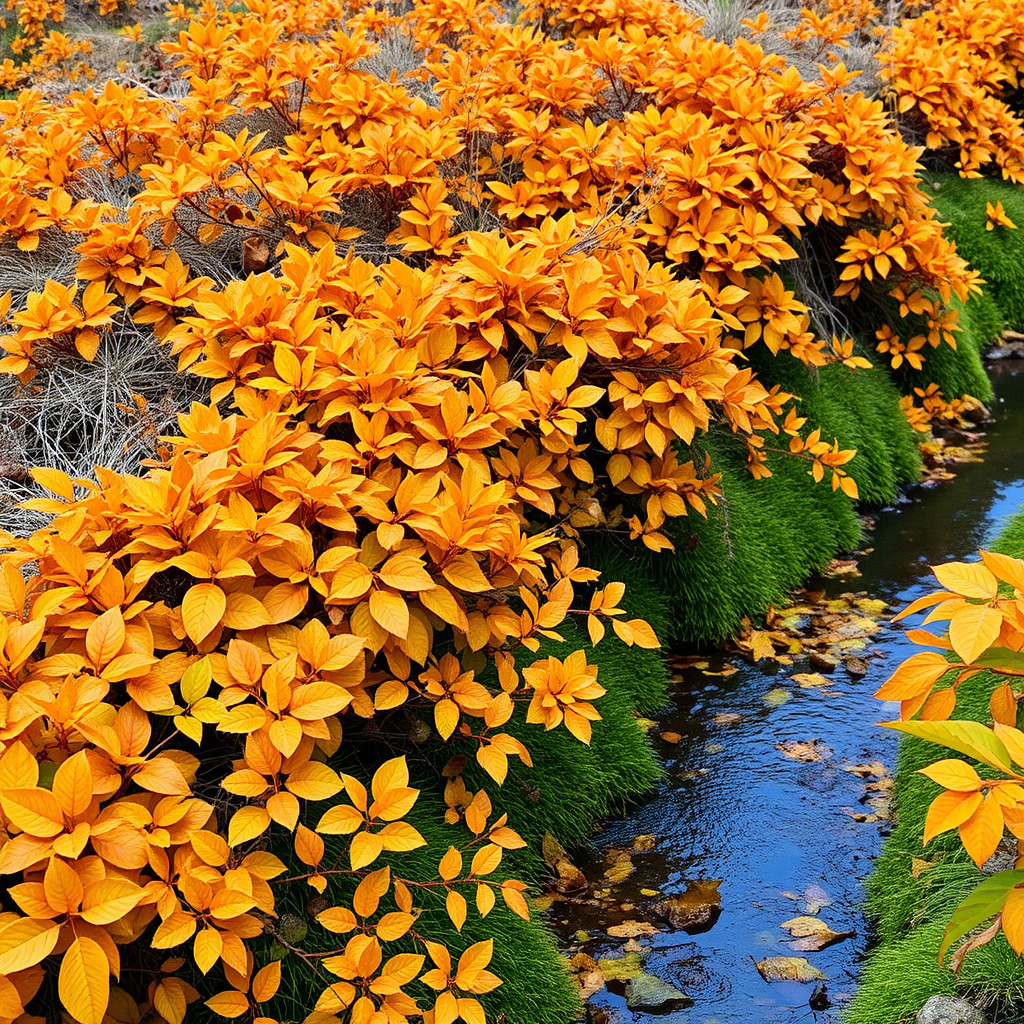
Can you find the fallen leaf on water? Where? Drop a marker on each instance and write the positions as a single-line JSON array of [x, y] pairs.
[[841, 567], [759, 643], [881, 810], [874, 768], [645, 843], [647, 994], [872, 606], [727, 718], [650, 892], [806, 680], [588, 976], [620, 866], [812, 934], [713, 748], [773, 698], [670, 737], [694, 908], [788, 968], [815, 750], [647, 724], [725, 670], [631, 929], [570, 878], [814, 898], [824, 662], [622, 968]]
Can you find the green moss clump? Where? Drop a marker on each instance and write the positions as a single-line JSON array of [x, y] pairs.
[[998, 255], [909, 914], [762, 539]]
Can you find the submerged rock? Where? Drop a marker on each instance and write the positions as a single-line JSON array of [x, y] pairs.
[[950, 1010], [649, 994]]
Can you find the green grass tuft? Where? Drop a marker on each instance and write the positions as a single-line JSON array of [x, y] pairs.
[[998, 254]]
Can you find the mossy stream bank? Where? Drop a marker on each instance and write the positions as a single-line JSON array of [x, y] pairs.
[[782, 833]]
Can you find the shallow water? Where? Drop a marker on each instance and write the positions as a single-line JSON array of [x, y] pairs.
[[733, 807]]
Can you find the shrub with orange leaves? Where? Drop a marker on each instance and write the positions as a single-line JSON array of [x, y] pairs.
[[449, 323], [983, 604], [954, 68]]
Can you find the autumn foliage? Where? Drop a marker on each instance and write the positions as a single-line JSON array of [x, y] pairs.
[[450, 322], [981, 607]]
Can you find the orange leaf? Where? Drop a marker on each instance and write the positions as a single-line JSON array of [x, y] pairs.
[[105, 637]]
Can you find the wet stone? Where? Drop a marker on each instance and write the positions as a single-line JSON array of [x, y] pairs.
[[950, 1010], [824, 662], [647, 994]]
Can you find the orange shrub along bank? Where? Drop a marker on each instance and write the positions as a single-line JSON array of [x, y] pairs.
[[450, 322]]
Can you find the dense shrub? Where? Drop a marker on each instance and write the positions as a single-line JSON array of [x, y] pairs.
[[450, 323]]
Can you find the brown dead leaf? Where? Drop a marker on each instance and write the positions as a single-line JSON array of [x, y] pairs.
[[570, 878], [670, 737], [727, 718], [788, 968], [694, 908], [812, 934], [873, 769], [587, 975], [856, 667], [814, 750], [631, 929], [841, 567]]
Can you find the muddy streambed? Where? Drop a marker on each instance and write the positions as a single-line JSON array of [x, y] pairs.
[[786, 836]]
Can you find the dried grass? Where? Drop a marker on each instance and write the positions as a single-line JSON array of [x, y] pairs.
[[77, 415]]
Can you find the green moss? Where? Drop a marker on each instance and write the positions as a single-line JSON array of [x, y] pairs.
[[762, 539], [998, 254], [909, 914]]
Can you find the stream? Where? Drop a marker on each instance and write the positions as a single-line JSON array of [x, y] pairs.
[[780, 833]]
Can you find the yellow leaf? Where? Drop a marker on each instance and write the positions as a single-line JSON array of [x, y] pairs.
[[267, 982], [202, 609], [207, 948], [228, 1004], [1013, 919], [109, 899], [246, 824], [25, 942], [968, 579], [451, 864], [391, 612], [455, 904], [973, 629], [105, 637], [84, 981], [364, 850], [55, 481]]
